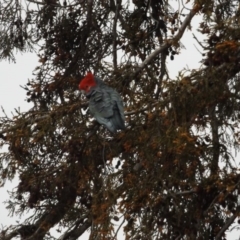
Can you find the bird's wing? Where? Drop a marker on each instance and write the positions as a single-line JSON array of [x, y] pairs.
[[106, 107], [101, 104], [117, 101]]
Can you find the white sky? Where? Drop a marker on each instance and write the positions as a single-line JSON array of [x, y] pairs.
[[13, 96]]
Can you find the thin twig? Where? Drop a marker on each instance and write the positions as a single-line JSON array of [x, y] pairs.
[[119, 228], [115, 36], [199, 42], [139, 110], [40, 3], [56, 4], [214, 200], [185, 192]]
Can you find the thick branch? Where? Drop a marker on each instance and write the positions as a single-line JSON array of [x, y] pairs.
[[168, 43], [48, 220], [76, 232], [226, 226], [215, 140], [23, 231], [10, 235]]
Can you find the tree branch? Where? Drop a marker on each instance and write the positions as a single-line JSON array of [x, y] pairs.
[[115, 35], [48, 219], [168, 43], [226, 226], [76, 232], [56, 4], [115, 236], [38, 116], [215, 140]]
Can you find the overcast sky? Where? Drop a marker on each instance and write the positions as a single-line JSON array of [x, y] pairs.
[[13, 96]]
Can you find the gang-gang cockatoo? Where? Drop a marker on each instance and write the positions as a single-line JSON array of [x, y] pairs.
[[105, 103]]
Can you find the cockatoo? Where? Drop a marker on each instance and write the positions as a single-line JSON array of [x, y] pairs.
[[105, 103]]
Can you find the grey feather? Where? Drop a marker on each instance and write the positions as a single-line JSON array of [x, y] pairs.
[[106, 106]]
